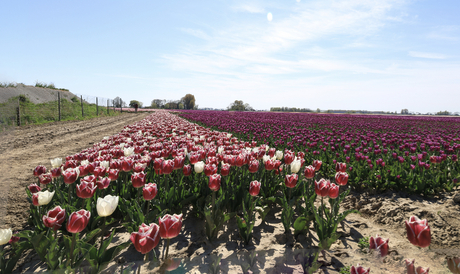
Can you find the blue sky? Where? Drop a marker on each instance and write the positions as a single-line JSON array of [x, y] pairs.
[[328, 54]]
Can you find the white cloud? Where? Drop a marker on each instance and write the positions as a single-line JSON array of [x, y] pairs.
[[428, 55], [196, 32]]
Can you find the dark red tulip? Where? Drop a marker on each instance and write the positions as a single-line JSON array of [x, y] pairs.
[[138, 179], [379, 244], [317, 164], [54, 218], [289, 157], [127, 164], [56, 172], [340, 167], [103, 183], [309, 172], [418, 232], [322, 187], [214, 182], [45, 178], [34, 188], [341, 178], [225, 169], [270, 164], [39, 170], [210, 169], [147, 238], [100, 171], [240, 160], [170, 226], [187, 170], [113, 174], [86, 189], [149, 191], [78, 221], [291, 180], [179, 162], [167, 166], [70, 175], [254, 188], [333, 191], [253, 166], [358, 269]]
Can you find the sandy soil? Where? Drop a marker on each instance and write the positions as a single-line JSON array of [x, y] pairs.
[[275, 252]]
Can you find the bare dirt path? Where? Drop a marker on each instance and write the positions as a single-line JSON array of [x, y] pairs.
[[26, 147]]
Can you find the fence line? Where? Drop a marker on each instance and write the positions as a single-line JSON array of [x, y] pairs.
[[21, 111]]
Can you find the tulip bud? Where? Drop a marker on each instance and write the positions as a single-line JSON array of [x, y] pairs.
[[107, 205], [138, 179], [340, 167], [103, 183], [322, 187], [56, 162], [56, 172], [279, 155], [34, 188], [149, 191], [187, 170], [14, 239], [253, 166], [333, 191], [317, 164], [170, 226], [291, 180], [5, 235], [454, 265], [295, 165], [418, 232], [39, 170], [147, 238], [70, 175], [379, 244], [167, 166], [78, 221], [358, 269], [225, 169], [210, 169], [199, 167], [54, 218], [309, 172], [42, 198], [214, 182], [254, 188], [86, 189], [341, 178]]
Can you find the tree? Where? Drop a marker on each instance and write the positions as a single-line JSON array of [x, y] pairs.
[[239, 105], [133, 102], [158, 103], [117, 102], [189, 101], [404, 111]]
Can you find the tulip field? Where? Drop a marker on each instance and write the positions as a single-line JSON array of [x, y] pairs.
[[248, 192]]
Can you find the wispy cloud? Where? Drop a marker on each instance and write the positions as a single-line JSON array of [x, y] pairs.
[[251, 8], [196, 32], [448, 33], [428, 55]]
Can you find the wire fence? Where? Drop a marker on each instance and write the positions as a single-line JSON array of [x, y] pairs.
[[60, 106]]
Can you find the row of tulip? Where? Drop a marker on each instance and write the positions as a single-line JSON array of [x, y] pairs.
[[382, 152], [165, 164]]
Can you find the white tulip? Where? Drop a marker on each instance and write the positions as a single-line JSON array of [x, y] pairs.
[[44, 197], [295, 166], [128, 151], [220, 149], [5, 235], [56, 162], [105, 164], [229, 135], [279, 154], [84, 162], [128, 140], [106, 138], [189, 136], [105, 207], [199, 167]]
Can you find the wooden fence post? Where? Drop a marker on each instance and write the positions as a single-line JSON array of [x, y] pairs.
[[97, 107], [59, 106], [18, 116], [81, 100], [107, 107]]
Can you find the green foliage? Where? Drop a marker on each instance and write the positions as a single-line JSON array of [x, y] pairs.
[[132, 103], [239, 105], [363, 244], [8, 85], [345, 270]]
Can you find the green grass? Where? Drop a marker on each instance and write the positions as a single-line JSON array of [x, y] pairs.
[[35, 114], [50, 86]]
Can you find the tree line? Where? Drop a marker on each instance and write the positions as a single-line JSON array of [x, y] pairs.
[[186, 102]]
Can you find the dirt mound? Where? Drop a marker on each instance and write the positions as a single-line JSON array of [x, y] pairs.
[[36, 95]]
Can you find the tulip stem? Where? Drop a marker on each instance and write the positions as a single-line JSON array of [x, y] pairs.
[[147, 211], [74, 239], [213, 200], [102, 231], [167, 248]]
